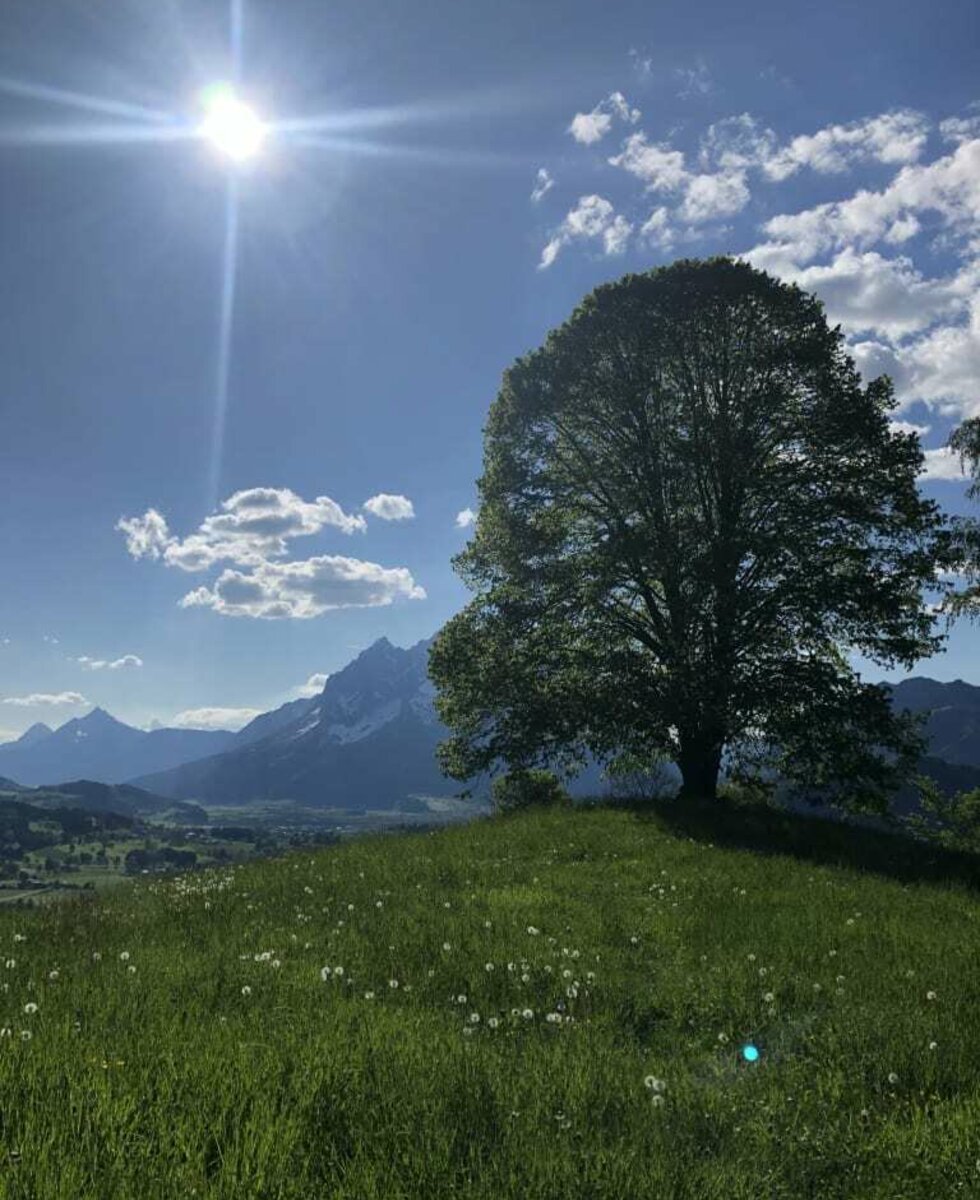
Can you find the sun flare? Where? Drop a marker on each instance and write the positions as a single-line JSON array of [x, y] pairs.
[[229, 124]]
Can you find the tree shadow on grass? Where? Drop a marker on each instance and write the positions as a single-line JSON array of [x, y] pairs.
[[768, 830]]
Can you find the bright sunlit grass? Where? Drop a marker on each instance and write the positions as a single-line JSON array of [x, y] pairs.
[[551, 1004]]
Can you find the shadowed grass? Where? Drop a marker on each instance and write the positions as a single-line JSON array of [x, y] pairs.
[[156, 1075]]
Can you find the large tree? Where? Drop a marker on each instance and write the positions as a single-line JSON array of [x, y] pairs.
[[690, 510]]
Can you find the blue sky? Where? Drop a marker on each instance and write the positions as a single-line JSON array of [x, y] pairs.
[[473, 171]]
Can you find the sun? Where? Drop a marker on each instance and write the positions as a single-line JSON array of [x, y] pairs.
[[229, 124]]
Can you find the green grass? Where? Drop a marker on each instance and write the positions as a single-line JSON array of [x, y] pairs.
[[155, 1075]]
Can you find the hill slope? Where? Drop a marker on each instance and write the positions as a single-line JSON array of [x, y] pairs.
[[328, 1025]]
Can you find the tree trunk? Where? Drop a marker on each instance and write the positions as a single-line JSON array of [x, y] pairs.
[[699, 762]]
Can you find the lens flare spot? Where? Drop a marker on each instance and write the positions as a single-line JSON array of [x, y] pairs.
[[229, 124], [750, 1053]]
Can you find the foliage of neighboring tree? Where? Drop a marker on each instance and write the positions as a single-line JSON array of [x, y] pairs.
[[950, 821], [527, 788], [965, 441], [691, 509]]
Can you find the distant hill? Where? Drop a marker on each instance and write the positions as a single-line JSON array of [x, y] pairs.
[[99, 747], [954, 723], [120, 798]]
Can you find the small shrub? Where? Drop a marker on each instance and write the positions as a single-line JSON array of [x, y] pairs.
[[524, 788]]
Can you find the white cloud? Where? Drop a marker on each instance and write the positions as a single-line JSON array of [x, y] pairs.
[[710, 196], [694, 81], [592, 218], [941, 367], [895, 137], [40, 699], [98, 664], [949, 186], [942, 463], [960, 129], [659, 167], [465, 518], [908, 427], [305, 589], [146, 536], [213, 718], [254, 525], [8, 735], [543, 183], [390, 508], [656, 228], [591, 127], [870, 293], [734, 143], [313, 685]]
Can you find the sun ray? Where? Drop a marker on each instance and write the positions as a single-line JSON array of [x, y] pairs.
[[79, 134], [229, 272], [431, 155], [53, 95], [237, 27]]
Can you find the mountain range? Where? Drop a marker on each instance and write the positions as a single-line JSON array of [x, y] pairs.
[[367, 741], [98, 747]]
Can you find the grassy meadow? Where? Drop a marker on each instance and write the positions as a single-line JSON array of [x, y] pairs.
[[547, 1004]]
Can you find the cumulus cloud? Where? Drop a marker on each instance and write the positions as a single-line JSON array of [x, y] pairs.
[[659, 167], [40, 699], [908, 427], [948, 187], [895, 137], [889, 296], [313, 685], [960, 129], [214, 718], [543, 183], [592, 218], [591, 127], [465, 518], [941, 367], [146, 536], [708, 197], [657, 229], [305, 589], [734, 143], [705, 197], [116, 664], [390, 508], [253, 525], [942, 463]]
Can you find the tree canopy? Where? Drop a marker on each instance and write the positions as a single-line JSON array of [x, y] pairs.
[[691, 508]]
